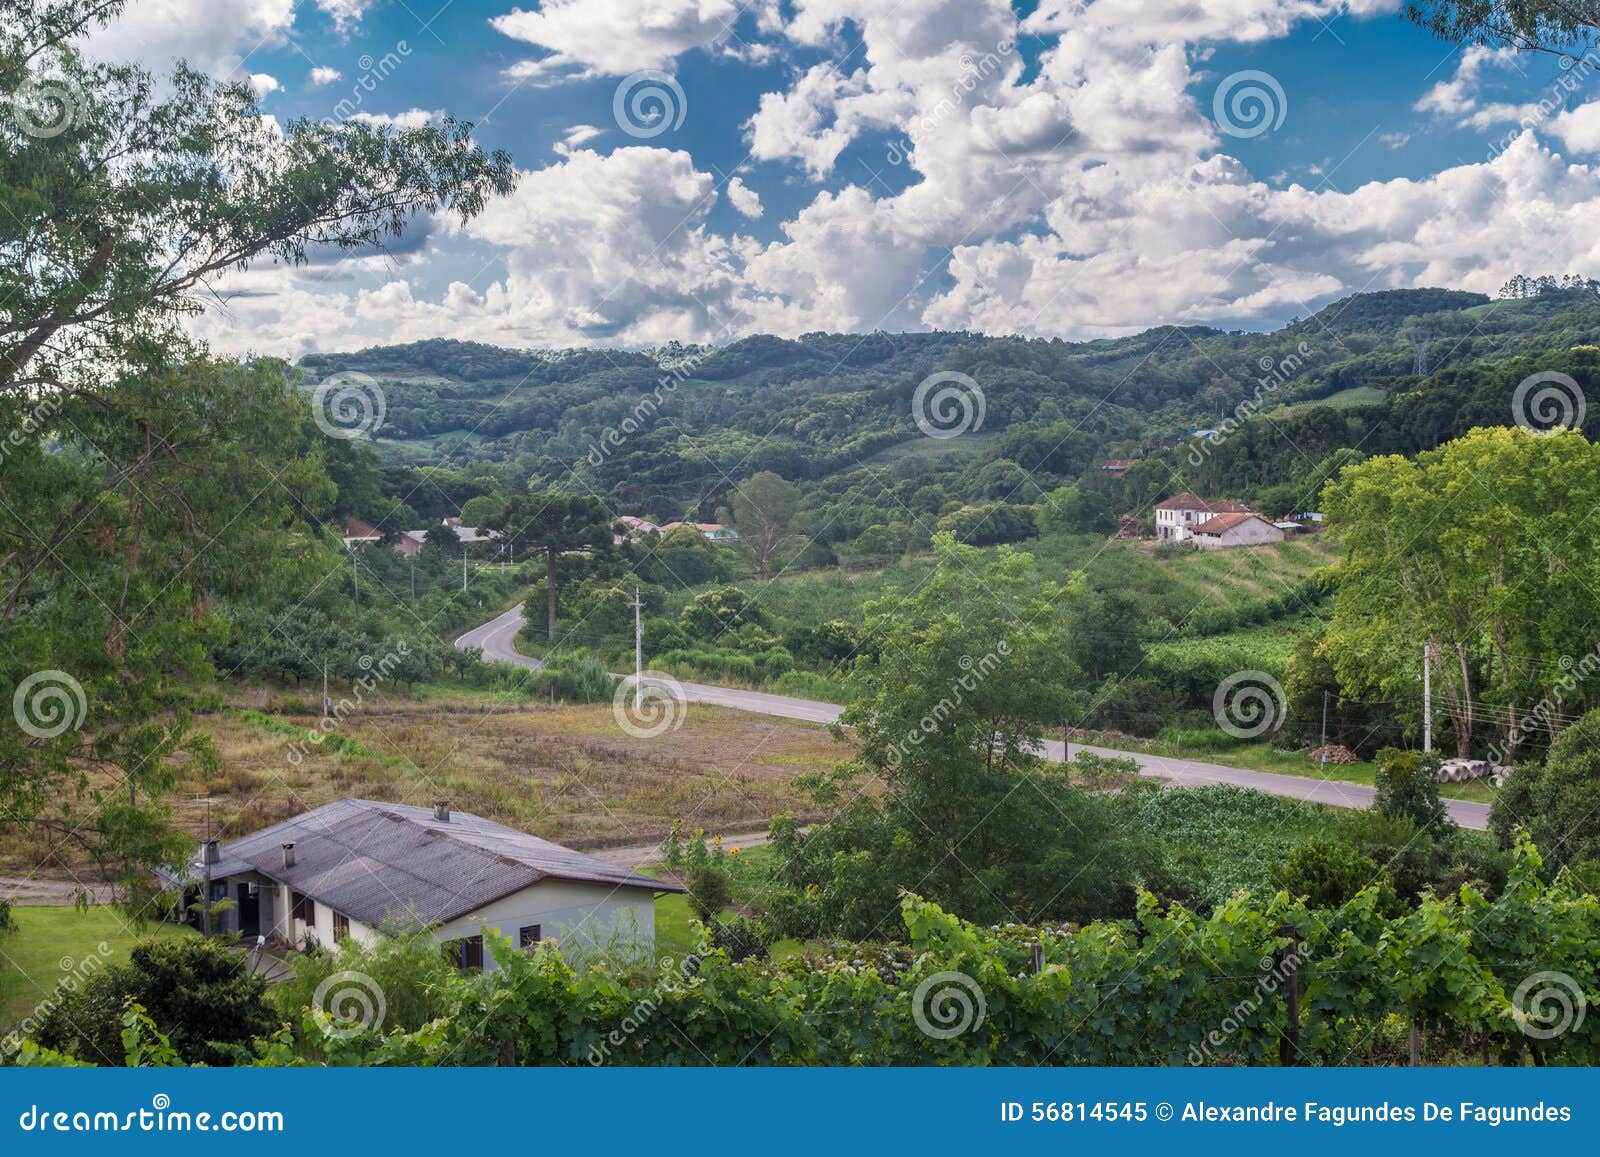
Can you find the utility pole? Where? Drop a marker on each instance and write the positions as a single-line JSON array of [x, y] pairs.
[[413, 580], [1427, 698], [355, 576], [326, 702], [1324, 719], [463, 570], [638, 653]]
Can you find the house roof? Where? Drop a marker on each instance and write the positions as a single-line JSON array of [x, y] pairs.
[[355, 528], [1187, 501], [1117, 463], [1222, 523], [383, 862]]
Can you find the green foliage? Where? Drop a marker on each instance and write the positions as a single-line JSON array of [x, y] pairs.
[[709, 892], [199, 994], [1154, 989], [1408, 789], [1558, 801], [1328, 873]]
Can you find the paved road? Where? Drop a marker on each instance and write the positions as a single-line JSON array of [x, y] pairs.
[[495, 637]]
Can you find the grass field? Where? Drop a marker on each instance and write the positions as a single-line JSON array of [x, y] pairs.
[[568, 774], [53, 944]]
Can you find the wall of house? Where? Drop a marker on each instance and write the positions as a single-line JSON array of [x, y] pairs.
[[581, 915], [1250, 533]]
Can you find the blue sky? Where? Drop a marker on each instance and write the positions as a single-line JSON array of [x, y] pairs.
[[1054, 167]]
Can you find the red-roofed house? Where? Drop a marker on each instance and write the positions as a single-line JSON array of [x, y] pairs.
[[1178, 515], [357, 532]]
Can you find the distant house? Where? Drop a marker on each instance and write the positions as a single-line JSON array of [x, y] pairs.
[[1117, 467], [1291, 527], [1221, 531], [1178, 515], [715, 531], [358, 533], [411, 542], [633, 527], [357, 867]]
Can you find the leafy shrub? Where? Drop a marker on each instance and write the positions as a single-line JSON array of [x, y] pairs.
[[199, 993], [709, 892], [1328, 873], [740, 938], [1407, 788]]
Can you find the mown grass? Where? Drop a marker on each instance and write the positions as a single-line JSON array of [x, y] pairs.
[[53, 944]]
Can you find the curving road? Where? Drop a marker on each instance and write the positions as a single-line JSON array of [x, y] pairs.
[[496, 638]]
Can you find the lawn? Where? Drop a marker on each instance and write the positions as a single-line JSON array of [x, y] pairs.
[[52, 945]]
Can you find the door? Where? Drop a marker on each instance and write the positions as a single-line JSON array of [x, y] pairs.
[[249, 910]]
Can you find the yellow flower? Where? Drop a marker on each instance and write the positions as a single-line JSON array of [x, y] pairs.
[[733, 851]]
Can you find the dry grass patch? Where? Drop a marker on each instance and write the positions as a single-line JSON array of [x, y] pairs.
[[566, 773]]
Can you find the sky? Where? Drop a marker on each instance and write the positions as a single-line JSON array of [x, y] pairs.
[[700, 170]]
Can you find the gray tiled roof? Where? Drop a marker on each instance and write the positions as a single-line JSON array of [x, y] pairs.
[[385, 862]]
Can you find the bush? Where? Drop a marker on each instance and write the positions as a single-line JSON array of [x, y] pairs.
[[1327, 873], [709, 892], [1407, 788], [199, 993], [1560, 801], [8, 922], [740, 938]]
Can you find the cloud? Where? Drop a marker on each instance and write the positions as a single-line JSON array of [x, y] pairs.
[[324, 76], [213, 35], [606, 38], [1081, 193], [743, 198], [412, 118], [345, 14], [263, 85], [1579, 128]]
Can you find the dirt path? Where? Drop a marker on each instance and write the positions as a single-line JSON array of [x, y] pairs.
[[36, 890], [637, 855]]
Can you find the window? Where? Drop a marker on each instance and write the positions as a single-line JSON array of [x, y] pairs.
[[530, 937], [298, 904], [341, 926], [466, 953]]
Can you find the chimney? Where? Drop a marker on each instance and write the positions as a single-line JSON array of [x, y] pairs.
[[209, 852], [288, 854], [441, 810]]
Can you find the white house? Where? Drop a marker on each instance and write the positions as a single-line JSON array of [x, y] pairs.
[[357, 867], [715, 531], [1178, 515], [1224, 530]]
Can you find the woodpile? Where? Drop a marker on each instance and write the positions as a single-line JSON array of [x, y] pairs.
[[1333, 753]]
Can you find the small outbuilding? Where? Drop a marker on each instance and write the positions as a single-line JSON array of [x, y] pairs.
[[1226, 530]]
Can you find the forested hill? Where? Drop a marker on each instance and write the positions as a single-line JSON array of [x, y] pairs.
[[664, 432]]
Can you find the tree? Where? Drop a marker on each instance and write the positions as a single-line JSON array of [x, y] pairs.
[[150, 484], [1074, 510], [1539, 26], [763, 508], [480, 511], [557, 524], [973, 673], [1558, 802], [1493, 579]]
